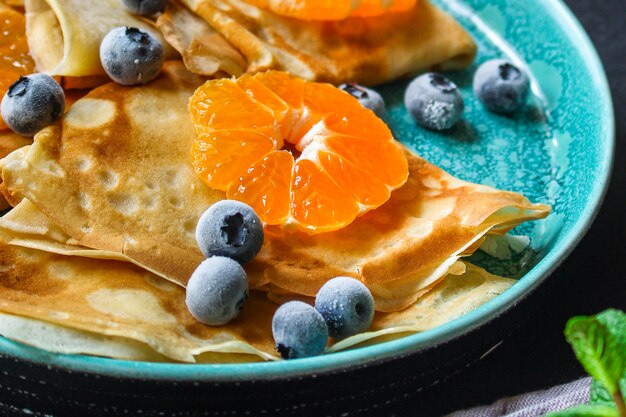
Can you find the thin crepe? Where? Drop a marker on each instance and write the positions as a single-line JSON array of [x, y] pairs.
[[402, 248], [122, 311], [124, 156], [9, 142], [204, 51], [120, 299], [64, 36], [369, 50], [115, 176]]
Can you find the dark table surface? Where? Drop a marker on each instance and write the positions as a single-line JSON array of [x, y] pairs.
[[592, 279]]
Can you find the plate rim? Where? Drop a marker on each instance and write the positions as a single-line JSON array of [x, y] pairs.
[[338, 361]]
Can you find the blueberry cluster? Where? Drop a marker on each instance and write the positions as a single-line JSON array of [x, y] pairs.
[[436, 103], [343, 307], [229, 234]]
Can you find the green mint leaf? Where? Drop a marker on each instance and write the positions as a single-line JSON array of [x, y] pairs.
[[615, 322], [597, 350], [598, 394], [587, 410]]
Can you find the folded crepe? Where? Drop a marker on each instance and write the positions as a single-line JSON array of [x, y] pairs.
[[65, 35], [110, 308], [114, 175], [204, 50], [367, 50], [10, 142]]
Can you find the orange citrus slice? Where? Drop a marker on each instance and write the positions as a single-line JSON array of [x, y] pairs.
[[302, 154], [332, 9], [14, 57]]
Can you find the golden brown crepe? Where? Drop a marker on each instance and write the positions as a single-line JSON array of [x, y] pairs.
[[114, 175], [65, 35], [9, 142], [204, 51], [402, 248], [79, 305], [120, 299], [369, 50], [60, 339], [127, 159]]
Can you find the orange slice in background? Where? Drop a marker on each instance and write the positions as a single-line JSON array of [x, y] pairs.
[[304, 155], [15, 59], [332, 9]]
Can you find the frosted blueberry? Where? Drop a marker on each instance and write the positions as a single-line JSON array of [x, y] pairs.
[[501, 86], [368, 98], [145, 7], [230, 228], [32, 103], [299, 331], [217, 291], [346, 305], [434, 101], [131, 56]]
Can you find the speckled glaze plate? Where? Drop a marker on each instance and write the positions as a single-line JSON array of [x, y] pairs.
[[557, 151]]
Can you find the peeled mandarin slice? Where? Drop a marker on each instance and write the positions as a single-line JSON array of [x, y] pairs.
[[378, 7], [317, 201], [221, 155], [286, 86], [14, 57], [355, 125], [266, 187], [226, 106], [283, 113], [291, 90], [366, 189], [370, 156], [331, 10], [304, 155]]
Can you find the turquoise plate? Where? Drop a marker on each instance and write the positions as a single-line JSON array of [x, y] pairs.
[[557, 151]]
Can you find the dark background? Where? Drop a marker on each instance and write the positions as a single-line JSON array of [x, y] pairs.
[[592, 279]]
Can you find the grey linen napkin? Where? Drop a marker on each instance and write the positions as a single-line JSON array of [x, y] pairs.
[[534, 404]]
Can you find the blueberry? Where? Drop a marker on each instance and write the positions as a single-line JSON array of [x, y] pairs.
[[346, 305], [501, 86], [434, 101], [299, 330], [32, 103], [145, 7], [131, 56], [230, 228], [369, 98], [217, 291]]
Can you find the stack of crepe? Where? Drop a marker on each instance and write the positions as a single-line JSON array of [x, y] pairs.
[[96, 252], [232, 37], [101, 240]]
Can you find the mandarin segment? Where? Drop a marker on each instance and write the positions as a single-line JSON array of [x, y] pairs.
[[226, 106], [221, 155], [332, 9], [317, 201], [258, 91], [304, 155], [384, 159], [365, 188], [14, 57], [375, 7], [266, 187]]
